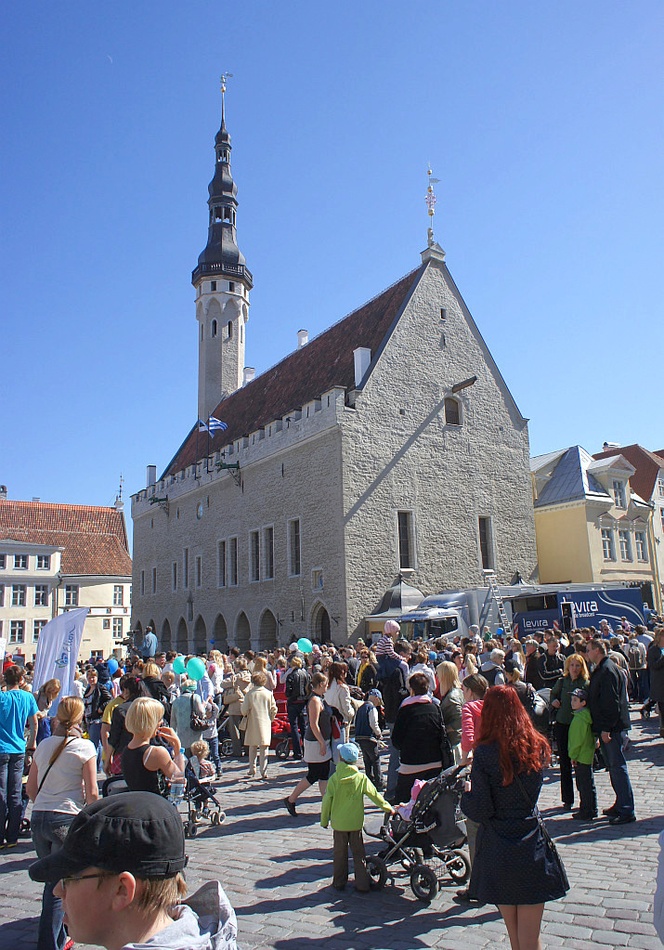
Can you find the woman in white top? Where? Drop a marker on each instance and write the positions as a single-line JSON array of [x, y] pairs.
[[62, 779], [337, 695]]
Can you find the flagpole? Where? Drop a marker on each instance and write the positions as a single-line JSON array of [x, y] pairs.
[[198, 427], [207, 454]]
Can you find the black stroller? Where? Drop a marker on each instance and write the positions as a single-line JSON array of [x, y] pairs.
[[425, 848], [201, 803]]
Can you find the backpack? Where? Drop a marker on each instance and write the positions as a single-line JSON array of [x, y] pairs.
[[196, 723], [393, 688], [297, 682], [636, 656]]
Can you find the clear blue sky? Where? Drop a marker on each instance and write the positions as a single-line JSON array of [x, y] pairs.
[[542, 121]]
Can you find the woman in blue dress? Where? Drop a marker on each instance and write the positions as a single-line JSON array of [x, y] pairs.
[[514, 867]]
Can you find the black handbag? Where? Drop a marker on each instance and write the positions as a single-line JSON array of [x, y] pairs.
[[196, 722]]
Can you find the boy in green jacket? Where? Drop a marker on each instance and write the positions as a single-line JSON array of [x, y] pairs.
[[343, 805], [581, 749]]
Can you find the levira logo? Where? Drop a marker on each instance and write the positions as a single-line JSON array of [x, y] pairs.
[[63, 659]]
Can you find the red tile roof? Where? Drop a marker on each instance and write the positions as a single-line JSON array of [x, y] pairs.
[[647, 464], [325, 362], [94, 538]]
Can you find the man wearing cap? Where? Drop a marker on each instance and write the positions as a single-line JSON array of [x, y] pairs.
[[119, 876]]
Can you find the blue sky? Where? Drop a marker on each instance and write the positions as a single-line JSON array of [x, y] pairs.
[[543, 123]]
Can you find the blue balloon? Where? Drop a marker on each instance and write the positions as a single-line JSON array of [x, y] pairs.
[[304, 645], [112, 665]]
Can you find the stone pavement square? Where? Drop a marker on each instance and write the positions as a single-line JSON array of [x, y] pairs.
[[277, 872]]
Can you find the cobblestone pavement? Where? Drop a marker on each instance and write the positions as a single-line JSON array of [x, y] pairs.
[[277, 873]]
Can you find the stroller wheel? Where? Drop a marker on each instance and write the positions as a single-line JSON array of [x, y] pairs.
[[282, 750], [377, 871], [645, 713], [226, 747], [24, 827], [190, 829], [215, 818], [458, 866], [423, 883]]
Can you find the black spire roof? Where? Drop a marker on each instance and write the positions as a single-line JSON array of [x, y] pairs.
[[221, 256]]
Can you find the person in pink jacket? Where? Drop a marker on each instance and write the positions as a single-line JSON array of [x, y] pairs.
[[473, 687]]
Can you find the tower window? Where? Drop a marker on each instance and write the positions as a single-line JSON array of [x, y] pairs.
[[227, 214], [452, 412], [213, 285], [231, 286], [486, 543], [230, 330], [406, 540], [217, 214], [213, 328]]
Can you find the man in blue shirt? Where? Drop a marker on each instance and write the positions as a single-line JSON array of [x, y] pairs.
[[18, 709], [149, 645]]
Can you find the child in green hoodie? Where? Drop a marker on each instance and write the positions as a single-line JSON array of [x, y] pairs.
[[343, 805], [581, 749]]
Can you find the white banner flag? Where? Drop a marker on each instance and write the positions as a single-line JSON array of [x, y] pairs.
[[57, 650]]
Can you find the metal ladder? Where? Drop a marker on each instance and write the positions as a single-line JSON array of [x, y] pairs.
[[497, 597]]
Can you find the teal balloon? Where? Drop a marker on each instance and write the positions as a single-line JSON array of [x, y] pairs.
[[195, 669], [304, 645], [178, 665], [112, 666]]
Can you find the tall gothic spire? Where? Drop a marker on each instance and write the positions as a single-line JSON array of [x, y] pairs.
[[221, 256]]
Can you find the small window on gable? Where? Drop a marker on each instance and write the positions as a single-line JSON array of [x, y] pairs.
[[213, 328], [452, 412]]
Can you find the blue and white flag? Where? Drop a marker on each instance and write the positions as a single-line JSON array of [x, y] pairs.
[[202, 427], [57, 650], [216, 425]]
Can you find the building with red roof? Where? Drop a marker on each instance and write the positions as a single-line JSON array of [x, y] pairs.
[[55, 557]]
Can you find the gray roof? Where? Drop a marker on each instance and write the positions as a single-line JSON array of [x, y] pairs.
[[570, 480]]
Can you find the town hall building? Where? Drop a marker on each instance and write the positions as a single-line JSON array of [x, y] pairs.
[[387, 447]]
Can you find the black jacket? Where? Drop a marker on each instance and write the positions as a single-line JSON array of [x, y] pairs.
[[418, 733], [607, 698]]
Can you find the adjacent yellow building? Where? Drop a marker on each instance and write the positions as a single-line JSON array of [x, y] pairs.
[[590, 525]]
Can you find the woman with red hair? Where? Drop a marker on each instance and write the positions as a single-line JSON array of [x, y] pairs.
[[513, 867]]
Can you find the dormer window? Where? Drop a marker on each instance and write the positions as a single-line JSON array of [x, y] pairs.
[[619, 494]]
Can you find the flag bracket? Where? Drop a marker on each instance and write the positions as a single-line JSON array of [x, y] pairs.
[[232, 467], [162, 502]]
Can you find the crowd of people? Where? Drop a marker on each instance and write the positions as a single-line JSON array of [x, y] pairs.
[[486, 701]]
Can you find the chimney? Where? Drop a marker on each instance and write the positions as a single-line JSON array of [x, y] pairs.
[[610, 445], [302, 338], [362, 357], [152, 475], [36, 499], [248, 375], [3, 493]]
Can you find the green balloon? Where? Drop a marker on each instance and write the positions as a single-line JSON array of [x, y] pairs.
[[178, 665], [195, 669], [304, 645]]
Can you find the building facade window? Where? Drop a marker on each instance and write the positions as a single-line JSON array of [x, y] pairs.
[[221, 564], [317, 579], [406, 540], [71, 595], [41, 595], [154, 580], [118, 595], [2, 595], [254, 556], [268, 553], [485, 528], [619, 495], [661, 517], [174, 579], [43, 562], [608, 546], [3, 562], [17, 631], [37, 626], [117, 628], [199, 571], [641, 545], [232, 562], [19, 595], [660, 486], [185, 568], [294, 548], [20, 562], [452, 412], [625, 545]]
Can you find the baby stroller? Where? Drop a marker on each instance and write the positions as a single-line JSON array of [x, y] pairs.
[[201, 803], [225, 741], [281, 736], [425, 847]]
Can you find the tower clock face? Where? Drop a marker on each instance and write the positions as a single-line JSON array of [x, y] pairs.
[[199, 510]]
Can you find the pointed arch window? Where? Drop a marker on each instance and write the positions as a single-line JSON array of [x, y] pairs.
[[452, 412], [213, 328]]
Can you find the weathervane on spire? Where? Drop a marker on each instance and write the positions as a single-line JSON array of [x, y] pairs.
[[224, 77], [430, 199]]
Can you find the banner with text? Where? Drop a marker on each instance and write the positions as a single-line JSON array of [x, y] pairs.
[[57, 650]]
